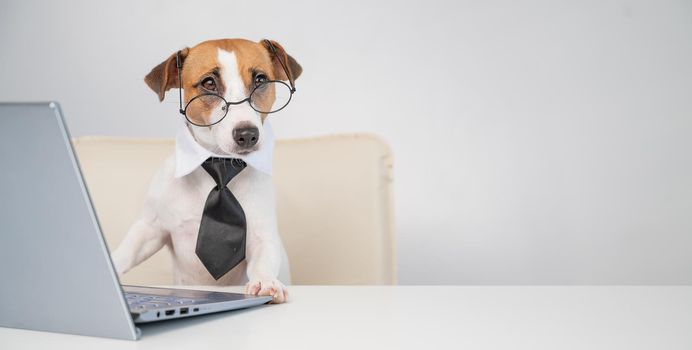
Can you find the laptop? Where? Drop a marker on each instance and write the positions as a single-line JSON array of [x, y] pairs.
[[55, 270]]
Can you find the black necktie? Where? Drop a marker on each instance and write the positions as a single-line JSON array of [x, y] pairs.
[[221, 239]]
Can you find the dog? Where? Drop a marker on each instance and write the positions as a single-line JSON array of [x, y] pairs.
[[176, 197]]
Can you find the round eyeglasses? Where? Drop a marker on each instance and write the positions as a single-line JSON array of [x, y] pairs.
[[266, 97], [209, 109]]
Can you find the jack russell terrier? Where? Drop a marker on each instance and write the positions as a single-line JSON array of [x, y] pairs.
[[217, 237]]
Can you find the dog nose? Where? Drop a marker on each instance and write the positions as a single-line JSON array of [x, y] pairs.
[[246, 137]]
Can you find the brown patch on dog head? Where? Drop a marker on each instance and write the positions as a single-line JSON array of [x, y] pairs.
[[165, 75]]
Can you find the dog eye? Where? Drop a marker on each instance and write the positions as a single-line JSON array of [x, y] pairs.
[[209, 84], [260, 78]]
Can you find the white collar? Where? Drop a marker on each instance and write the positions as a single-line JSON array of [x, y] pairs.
[[189, 154]]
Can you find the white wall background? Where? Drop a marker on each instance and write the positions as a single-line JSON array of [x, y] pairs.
[[535, 141]]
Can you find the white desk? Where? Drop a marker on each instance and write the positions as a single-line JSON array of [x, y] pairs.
[[421, 317]]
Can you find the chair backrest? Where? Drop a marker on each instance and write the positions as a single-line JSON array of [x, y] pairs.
[[334, 203]]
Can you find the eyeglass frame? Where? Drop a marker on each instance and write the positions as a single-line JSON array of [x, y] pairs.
[[179, 66]]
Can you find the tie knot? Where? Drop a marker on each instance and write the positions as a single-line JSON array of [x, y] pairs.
[[223, 170]]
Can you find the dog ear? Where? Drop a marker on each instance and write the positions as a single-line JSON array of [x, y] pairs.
[[165, 76], [291, 64]]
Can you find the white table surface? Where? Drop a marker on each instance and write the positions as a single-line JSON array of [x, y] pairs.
[[421, 317]]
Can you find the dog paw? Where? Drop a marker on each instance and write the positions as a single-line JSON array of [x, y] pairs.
[[271, 287]]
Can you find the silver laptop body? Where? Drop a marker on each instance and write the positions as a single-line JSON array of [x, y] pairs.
[[55, 271]]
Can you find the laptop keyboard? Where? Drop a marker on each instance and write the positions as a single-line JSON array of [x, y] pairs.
[[138, 301]]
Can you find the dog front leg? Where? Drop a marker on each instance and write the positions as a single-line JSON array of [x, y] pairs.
[[263, 263], [141, 241]]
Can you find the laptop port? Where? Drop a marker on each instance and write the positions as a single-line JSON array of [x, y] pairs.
[[170, 312], [195, 309], [184, 310]]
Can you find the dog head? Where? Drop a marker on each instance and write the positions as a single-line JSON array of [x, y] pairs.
[[232, 69]]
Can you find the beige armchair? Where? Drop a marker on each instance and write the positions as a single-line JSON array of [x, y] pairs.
[[334, 201]]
